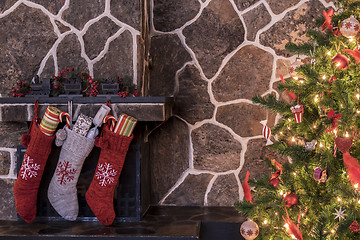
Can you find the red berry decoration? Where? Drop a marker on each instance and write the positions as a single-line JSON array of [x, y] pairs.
[[290, 199], [14, 95]]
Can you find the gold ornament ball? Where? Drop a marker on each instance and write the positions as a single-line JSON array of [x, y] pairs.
[[249, 230], [350, 27]]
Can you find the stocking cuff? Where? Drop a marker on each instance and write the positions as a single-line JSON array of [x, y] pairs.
[[112, 141]]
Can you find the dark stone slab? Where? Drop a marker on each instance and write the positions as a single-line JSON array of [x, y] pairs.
[[191, 192], [292, 27], [49, 69], [192, 102], [69, 54], [243, 4], [223, 30], [62, 28], [278, 6], [127, 12], [102, 29], [11, 132], [243, 118], [51, 6], [5, 160], [224, 192], [170, 15], [213, 145], [81, 11], [7, 202], [169, 156], [6, 4], [168, 56], [246, 74], [26, 35], [14, 113], [255, 20], [118, 61], [255, 160]]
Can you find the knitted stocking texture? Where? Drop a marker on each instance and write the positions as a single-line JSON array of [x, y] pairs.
[[100, 194], [62, 192], [27, 183]]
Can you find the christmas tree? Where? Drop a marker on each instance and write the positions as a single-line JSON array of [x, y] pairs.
[[316, 195]]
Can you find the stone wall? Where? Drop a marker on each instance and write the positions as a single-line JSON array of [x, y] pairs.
[[213, 56], [43, 37]]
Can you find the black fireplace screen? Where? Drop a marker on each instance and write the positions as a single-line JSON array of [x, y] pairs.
[[127, 203]]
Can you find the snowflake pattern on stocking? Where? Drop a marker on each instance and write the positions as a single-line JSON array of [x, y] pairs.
[[64, 172], [105, 174], [28, 168]]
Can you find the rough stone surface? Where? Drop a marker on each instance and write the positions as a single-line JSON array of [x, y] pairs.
[[69, 54], [168, 56], [191, 192], [11, 132], [127, 12], [243, 4], [49, 69], [215, 149], [118, 61], [246, 74], [223, 30], [6, 4], [62, 28], [169, 15], [198, 106], [255, 20], [278, 6], [78, 14], [243, 118], [102, 29], [7, 201], [51, 6], [224, 192], [292, 27], [282, 67], [26, 35], [5, 160], [255, 160], [169, 156]]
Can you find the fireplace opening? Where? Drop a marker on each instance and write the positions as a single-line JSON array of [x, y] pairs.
[[127, 196]]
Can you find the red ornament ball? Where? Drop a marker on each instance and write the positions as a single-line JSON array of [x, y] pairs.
[[290, 199], [341, 61]]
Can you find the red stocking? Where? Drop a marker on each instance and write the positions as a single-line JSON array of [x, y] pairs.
[[28, 181], [100, 194]]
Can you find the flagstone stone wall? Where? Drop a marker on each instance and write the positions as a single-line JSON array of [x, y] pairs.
[[213, 56]]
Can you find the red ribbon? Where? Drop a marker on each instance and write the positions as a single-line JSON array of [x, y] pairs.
[[335, 118], [327, 22]]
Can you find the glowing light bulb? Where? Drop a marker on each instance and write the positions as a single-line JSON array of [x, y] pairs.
[[281, 133], [321, 145], [351, 39], [286, 226], [265, 221], [289, 119], [301, 81], [324, 77], [277, 213], [356, 185], [332, 231], [358, 111], [293, 236], [281, 193], [316, 98], [314, 126], [359, 202], [338, 64], [346, 134], [328, 53], [358, 96], [294, 174], [293, 139], [339, 199]]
